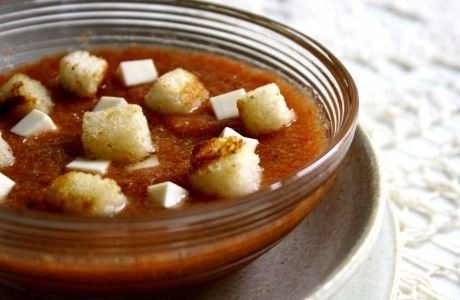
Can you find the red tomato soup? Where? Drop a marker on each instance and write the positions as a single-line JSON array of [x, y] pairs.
[[42, 158]]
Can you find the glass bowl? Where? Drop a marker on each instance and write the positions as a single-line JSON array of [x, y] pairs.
[[176, 249]]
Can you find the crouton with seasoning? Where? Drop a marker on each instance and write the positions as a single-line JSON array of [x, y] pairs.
[[30, 93], [120, 134], [225, 167], [78, 192], [81, 73], [6, 154], [264, 110], [176, 92], [252, 143]]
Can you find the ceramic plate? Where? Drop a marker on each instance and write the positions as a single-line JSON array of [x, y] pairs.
[[376, 277]]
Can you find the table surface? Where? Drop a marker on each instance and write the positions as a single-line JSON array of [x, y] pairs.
[[405, 59]]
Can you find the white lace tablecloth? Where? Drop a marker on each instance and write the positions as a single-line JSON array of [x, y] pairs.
[[405, 59]]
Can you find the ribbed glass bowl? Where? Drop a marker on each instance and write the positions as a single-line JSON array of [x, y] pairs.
[[93, 256]]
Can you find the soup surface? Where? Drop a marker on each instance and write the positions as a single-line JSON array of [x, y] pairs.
[[40, 159]]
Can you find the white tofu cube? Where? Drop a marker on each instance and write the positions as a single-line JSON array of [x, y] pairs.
[[84, 193], [119, 133], [251, 143], [6, 185], [108, 102], [6, 154], [224, 106], [81, 73], [88, 165], [34, 123], [264, 110], [176, 92], [135, 72], [166, 194], [150, 162], [32, 93], [225, 167]]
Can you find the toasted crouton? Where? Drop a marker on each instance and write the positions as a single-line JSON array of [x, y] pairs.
[[6, 154], [176, 92], [264, 110], [31, 93], [252, 143], [225, 167], [120, 133], [79, 192], [81, 73]]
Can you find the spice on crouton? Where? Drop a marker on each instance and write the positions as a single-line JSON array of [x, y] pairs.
[[81, 72], [79, 192], [6, 154], [176, 92], [30, 93], [264, 110], [225, 167], [120, 134]]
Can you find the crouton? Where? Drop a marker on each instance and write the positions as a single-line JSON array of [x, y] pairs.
[[120, 134], [225, 167], [251, 143], [79, 192], [264, 110], [6, 154], [81, 73], [30, 93], [176, 92]]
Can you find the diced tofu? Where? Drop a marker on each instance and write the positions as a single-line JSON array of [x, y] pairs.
[[34, 123], [150, 162], [224, 167], [81, 72], [120, 134], [31, 93], [264, 110], [6, 154], [109, 102], [88, 165], [83, 193], [166, 194], [176, 92], [224, 106], [135, 72], [6, 185], [251, 143]]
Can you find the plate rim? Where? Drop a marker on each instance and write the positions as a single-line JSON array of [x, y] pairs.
[[367, 240]]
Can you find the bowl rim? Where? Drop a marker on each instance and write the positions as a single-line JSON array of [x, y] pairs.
[[219, 208]]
